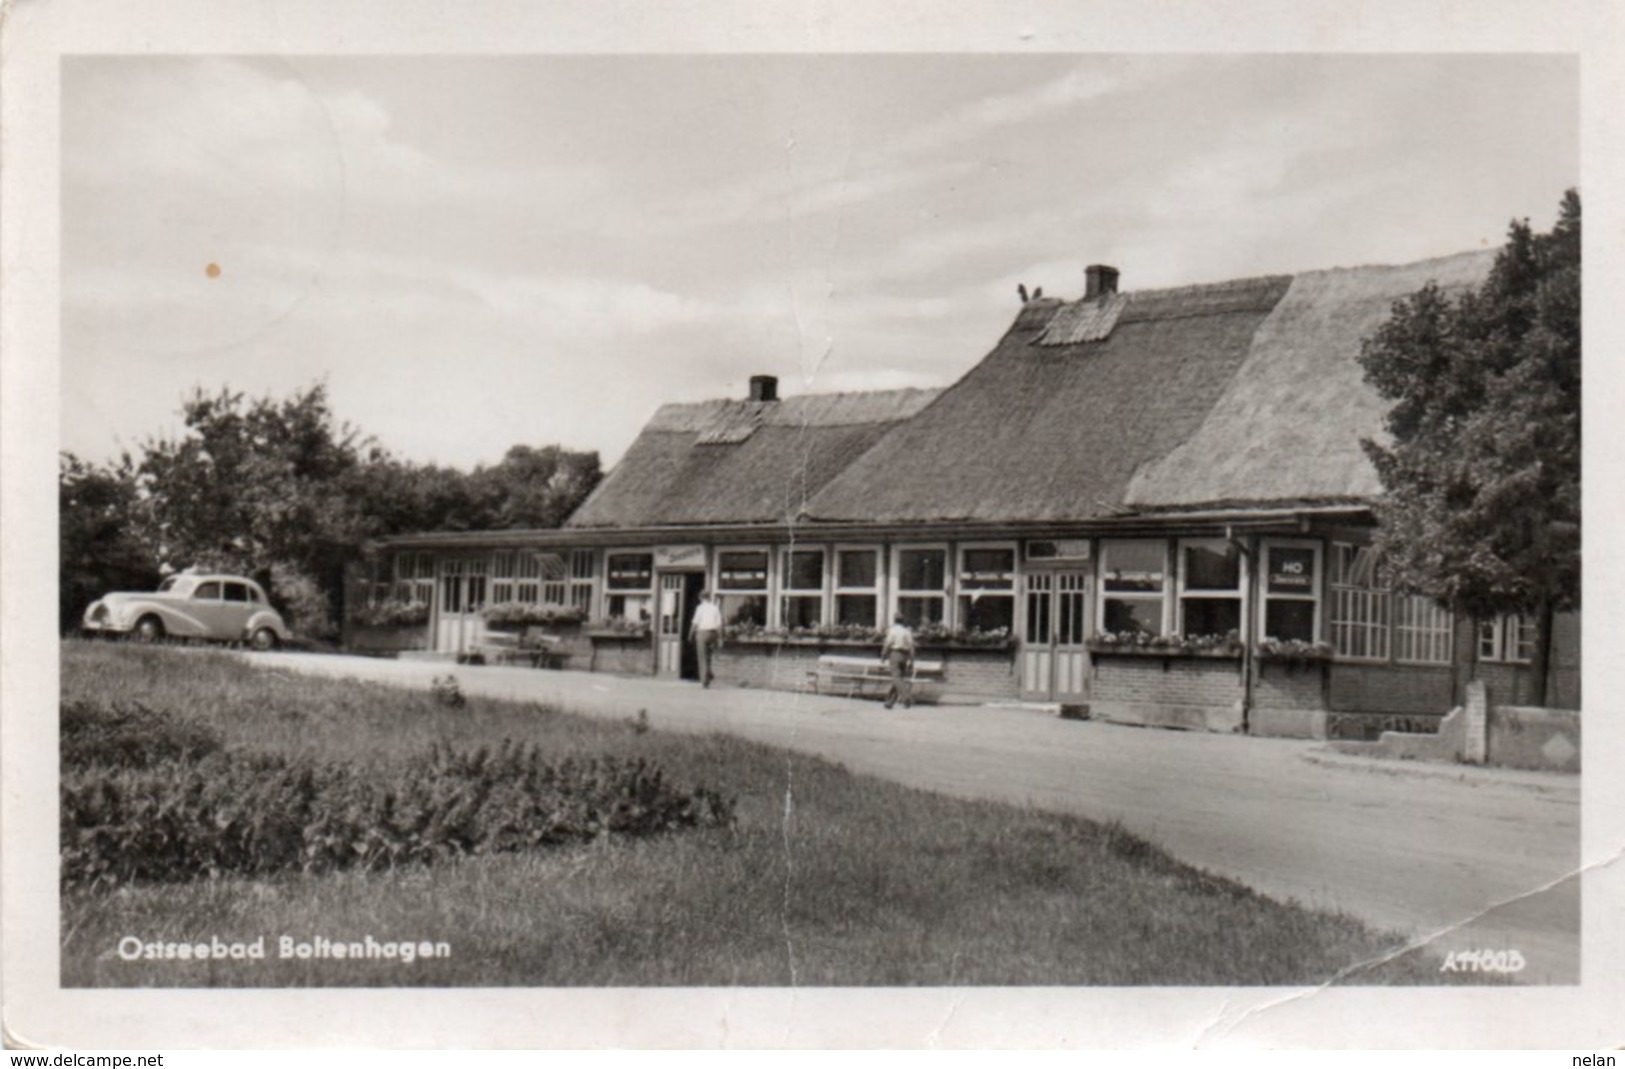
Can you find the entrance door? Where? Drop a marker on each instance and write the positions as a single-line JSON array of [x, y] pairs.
[[458, 624], [1054, 657], [679, 597]]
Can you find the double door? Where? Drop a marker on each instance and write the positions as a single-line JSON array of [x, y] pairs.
[[458, 623], [1054, 652]]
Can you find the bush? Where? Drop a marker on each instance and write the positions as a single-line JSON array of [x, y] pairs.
[[129, 735], [178, 807]]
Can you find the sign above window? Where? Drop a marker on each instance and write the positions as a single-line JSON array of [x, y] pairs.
[[1059, 549], [680, 557], [1291, 571]]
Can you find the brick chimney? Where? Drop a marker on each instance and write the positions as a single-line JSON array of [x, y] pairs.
[[1099, 280], [764, 388]]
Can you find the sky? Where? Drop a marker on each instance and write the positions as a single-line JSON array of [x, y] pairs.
[[473, 253]]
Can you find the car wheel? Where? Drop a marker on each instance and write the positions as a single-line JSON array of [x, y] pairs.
[[149, 629], [263, 639]]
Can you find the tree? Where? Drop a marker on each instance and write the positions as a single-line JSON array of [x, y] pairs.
[[259, 488], [99, 548], [1481, 478]]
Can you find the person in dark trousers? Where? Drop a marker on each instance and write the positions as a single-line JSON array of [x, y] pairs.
[[898, 653], [706, 633]]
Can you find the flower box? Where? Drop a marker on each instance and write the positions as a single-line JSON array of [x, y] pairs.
[[1212, 653]]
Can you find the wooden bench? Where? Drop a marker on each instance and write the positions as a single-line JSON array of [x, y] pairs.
[[855, 677], [502, 647]]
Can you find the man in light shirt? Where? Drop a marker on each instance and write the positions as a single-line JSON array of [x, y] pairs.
[[706, 633], [898, 653]]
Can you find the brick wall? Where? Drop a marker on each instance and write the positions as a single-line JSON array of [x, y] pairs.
[[769, 667], [1188, 692], [1289, 699], [631, 657], [1389, 688], [977, 673]]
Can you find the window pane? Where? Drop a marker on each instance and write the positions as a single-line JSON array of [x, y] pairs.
[[630, 606], [856, 568], [988, 569], [631, 571], [987, 613], [922, 569], [744, 609], [855, 610], [1134, 565], [1291, 571], [742, 571], [1210, 616], [1216, 566], [1289, 619], [803, 612], [806, 571], [1134, 616], [917, 612], [236, 592], [208, 591]]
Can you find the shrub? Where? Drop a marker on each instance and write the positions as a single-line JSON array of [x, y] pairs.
[[147, 800], [129, 735]]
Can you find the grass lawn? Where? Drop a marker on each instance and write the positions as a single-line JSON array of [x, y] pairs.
[[827, 878]]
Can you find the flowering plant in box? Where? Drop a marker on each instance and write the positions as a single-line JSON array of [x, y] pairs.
[[1293, 649], [1227, 643], [392, 612], [620, 625], [517, 613]]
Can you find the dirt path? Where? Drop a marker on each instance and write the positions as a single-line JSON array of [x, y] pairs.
[[1466, 858]]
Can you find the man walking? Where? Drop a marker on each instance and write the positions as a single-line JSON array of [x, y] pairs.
[[706, 633], [898, 653]]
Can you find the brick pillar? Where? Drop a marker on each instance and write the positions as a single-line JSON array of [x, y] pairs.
[[1475, 746]]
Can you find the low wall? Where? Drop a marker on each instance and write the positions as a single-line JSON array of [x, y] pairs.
[[1524, 736], [359, 639], [1193, 692], [1513, 736], [966, 673], [628, 656], [1289, 699]]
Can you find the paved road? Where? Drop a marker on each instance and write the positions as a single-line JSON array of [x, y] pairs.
[[1464, 858]]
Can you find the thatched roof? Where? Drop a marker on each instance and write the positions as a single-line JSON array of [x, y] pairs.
[[1046, 431], [1289, 424], [741, 461], [1237, 393]]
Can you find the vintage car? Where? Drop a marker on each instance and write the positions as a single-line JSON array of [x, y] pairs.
[[222, 608]]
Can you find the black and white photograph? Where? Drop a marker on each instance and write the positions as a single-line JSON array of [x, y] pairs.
[[583, 544]]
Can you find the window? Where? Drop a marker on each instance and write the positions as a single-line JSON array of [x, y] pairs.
[[1133, 578], [1507, 638], [1291, 591], [742, 586], [802, 603], [857, 587], [237, 592], [987, 588], [1360, 603], [502, 588], [628, 581], [1421, 630], [527, 587], [922, 586], [583, 567], [207, 592], [1209, 587]]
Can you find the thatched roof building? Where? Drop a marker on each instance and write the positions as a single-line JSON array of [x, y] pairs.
[[750, 461]]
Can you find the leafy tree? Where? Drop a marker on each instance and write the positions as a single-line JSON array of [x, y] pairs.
[[282, 491], [257, 487], [1482, 475], [99, 547]]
